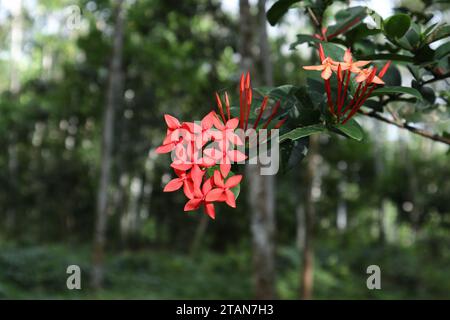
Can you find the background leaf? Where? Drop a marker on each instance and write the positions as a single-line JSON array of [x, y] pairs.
[[397, 25]]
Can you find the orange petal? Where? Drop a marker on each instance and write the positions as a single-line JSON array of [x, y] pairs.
[[361, 63], [318, 68], [326, 73]]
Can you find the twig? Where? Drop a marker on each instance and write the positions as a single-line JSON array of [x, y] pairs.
[[437, 78], [314, 18], [406, 126]]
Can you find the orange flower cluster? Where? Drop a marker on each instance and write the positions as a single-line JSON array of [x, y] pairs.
[[367, 80]]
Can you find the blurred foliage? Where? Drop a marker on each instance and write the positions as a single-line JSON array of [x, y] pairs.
[[176, 55]]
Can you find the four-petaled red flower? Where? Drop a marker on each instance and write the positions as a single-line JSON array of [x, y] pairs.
[[223, 192]]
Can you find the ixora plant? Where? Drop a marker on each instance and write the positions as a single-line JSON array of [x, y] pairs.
[[203, 152], [357, 73]]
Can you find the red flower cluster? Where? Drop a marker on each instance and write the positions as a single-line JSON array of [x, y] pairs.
[[210, 146], [367, 80]]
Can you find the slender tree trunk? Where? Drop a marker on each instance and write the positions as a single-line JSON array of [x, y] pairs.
[[113, 99], [301, 230], [379, 169], [16, 46], [14, 88], [307, 273], [199, 233], [261, 188]]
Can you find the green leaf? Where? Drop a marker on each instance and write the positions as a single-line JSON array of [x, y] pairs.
[[397, 25], [442, 51], [302, 132], [347, 19], [397, 90], [302, 38], [413, 35], [387, 56], [292, 153], [440, 32], [333, 51], [278, 10], [352, 129], [360, 31]]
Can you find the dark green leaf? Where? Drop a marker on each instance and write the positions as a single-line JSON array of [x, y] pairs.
[[278, 10], [352, 129], [397, 90], [292, 153], [347, 19], [388, 56], [442, 51], [440, 32], [302, 132], [397, 25], [302, 38]]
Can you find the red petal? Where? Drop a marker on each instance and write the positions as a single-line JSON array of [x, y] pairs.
[[172, 122], [225, 169], [207, 121], [217, 123], [165, 148], [192, 204], [214, 195], [230, 199], [236, 156], [189, 191], [197, 175], [173, 185], [181, 166], [233, 181], [234, 138], [213, 153], [207, 186], [232, 123], [210, 211], [218, 181]]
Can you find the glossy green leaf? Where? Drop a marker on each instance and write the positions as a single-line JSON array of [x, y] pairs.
[[292, 153], [440, 32], [302, 38], [387, 56], [302, 132], [442, 51], [352, 129], [347, 19], [278, 10], [397, 90], [397, 25]]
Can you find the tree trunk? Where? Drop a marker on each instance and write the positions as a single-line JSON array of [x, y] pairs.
[[307, 273], [14, 88], [113, 99], [261, 188], [379, 169]]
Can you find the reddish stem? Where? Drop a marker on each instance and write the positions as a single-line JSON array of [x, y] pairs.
[[275, 109], [261, 111], [328, 90]]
